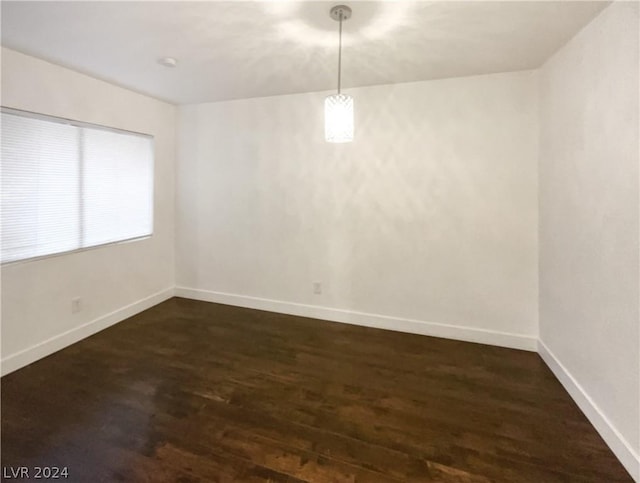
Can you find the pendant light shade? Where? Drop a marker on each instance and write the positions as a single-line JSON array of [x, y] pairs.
[[338, 108], [338, 118]]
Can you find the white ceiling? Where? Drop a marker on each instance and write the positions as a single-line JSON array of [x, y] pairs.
[[230, 50]]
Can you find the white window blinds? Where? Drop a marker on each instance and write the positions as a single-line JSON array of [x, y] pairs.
[[67, 185]]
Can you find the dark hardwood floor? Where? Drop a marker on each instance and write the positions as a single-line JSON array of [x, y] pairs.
[[191, 391]]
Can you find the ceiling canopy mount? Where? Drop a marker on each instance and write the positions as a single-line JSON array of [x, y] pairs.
[[340, 12]]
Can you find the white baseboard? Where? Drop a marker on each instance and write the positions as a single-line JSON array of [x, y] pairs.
[[620, 447], [469, 334], [60, 341]]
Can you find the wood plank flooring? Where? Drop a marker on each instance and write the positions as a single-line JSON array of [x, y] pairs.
[[191, 391]]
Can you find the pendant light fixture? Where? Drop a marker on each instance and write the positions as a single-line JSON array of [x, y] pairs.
[[338, 108]]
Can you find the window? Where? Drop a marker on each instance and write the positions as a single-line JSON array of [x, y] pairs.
[[68, 185]]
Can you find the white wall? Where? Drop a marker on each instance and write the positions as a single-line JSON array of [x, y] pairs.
[[430, 216], [113, 281], [589, 225]]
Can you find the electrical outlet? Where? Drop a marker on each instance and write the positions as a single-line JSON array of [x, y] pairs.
[[317, 288], [76, 305]]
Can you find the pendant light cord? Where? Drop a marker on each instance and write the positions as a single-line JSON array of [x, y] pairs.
[[340, 52]]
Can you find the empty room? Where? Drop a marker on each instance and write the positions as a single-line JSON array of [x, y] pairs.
[[389, 241]]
